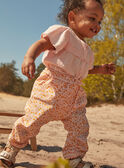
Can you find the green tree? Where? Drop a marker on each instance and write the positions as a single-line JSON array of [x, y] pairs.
[[10, 82]]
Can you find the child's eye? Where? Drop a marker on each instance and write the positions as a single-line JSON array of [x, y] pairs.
[[92, 18]]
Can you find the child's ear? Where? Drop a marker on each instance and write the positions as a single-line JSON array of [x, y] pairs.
[[71, 18]]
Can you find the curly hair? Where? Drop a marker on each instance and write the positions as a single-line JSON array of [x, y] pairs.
[[69, 5]]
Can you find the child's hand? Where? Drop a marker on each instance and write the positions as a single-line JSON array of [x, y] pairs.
[[28, 67], [108, 68]]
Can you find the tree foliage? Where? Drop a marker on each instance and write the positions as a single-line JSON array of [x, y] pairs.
[[59, 163], [10, 82], [108, 47]]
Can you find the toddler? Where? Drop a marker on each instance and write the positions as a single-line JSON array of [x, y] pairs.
[[57, 93]]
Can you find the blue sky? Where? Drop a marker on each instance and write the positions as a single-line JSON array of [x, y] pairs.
[[21, 24]]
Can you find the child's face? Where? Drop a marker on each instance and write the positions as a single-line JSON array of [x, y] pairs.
[[86, 22]]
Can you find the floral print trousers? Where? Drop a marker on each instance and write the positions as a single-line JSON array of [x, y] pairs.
[[56, 95]]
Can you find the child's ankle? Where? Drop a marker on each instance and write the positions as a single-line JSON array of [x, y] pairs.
[[8, 155], [10, 148], [7, 149], [74, 162]]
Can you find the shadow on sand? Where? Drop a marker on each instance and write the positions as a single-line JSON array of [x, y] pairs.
[[47, 149], [106, 166], [39, 147], [28, 165]]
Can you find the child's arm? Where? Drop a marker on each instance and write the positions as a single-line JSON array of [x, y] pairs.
[[28, 65], [103, 69]]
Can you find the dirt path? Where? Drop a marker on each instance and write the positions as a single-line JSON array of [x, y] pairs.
[[106, 138]]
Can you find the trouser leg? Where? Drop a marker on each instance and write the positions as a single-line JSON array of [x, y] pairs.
[[24, 128], [50, 100], [76, 142], [29, 125]]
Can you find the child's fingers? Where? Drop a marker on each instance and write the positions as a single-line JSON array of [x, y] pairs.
[[26, 72], [112, 63], [32, 71], [109, 68], [112, 68]]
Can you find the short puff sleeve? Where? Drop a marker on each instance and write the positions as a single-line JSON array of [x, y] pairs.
[[58, 36]]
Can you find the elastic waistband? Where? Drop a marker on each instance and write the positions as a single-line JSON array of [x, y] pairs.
[[62, 75]]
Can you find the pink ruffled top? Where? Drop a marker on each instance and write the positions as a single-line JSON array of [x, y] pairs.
[[71, 54]]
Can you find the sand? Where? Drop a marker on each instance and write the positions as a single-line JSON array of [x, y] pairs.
[[106, 137]]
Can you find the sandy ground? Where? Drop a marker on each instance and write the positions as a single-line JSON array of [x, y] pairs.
[[106, 138]]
